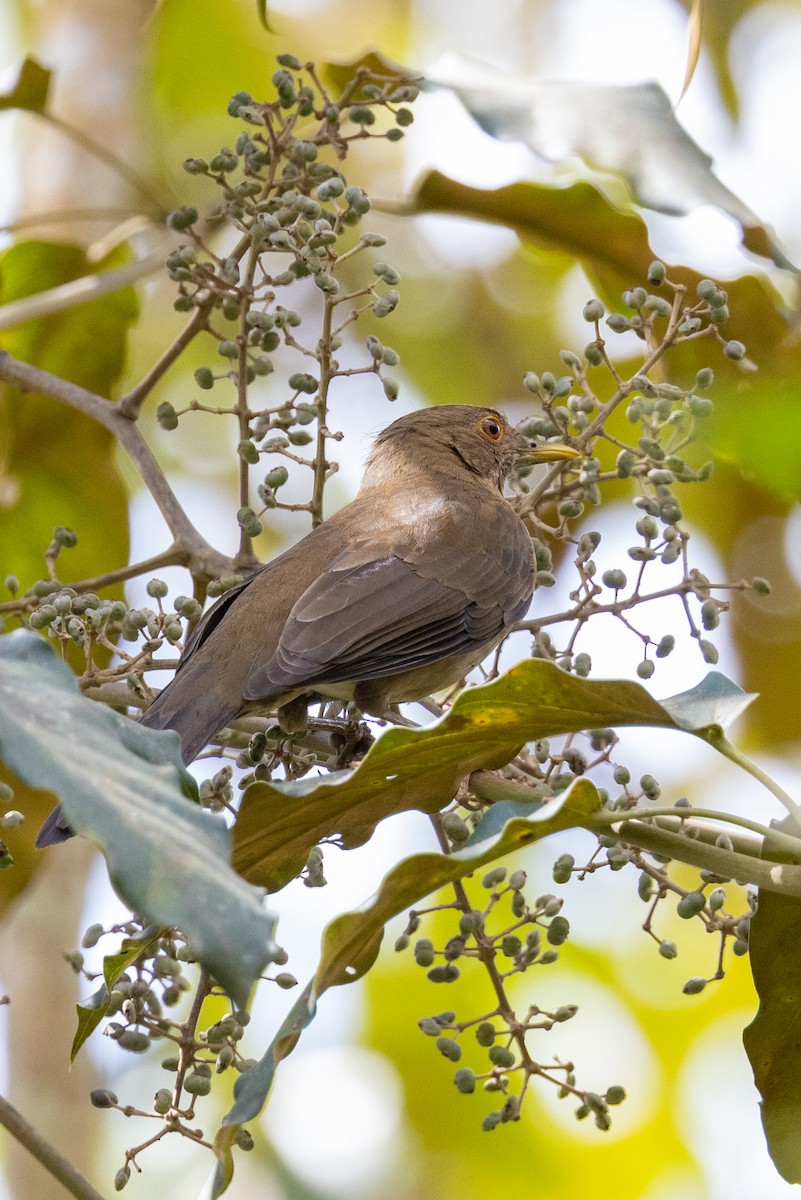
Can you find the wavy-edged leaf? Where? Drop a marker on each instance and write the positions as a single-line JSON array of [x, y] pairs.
[[125, 787], [352, 941], [773, 1039], [421, 768], [630, 130], [253, 1087], [709, 707], [577, 219]]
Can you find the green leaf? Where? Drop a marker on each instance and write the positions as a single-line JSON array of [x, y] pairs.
[[710, 707], [612, 245], [92, 1011], [125, 787], [628, 130], [576, 220], [253, 1087], [351, 942], [59, 459], [279, 823], [773, 1039], [90, 1014], [758, 447], [30, 90]]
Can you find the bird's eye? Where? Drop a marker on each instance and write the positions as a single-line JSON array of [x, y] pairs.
[[492, 428]]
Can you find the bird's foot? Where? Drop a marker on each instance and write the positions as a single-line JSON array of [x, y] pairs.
[[352, 741]]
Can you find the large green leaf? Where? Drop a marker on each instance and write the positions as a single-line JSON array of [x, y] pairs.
[[125, 787], [253, 1087], [421, 768], [57, 462], [576, 220], [352, 941], [630, 130], [773, 1039]]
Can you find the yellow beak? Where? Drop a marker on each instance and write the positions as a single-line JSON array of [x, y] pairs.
[[549, 452]]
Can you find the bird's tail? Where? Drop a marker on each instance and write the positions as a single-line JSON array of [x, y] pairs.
[[196, 714], [56, 829], [194, 706]]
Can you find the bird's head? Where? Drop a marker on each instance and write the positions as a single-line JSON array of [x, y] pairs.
[[462, 438]]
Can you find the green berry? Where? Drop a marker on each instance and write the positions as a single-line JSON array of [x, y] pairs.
[[248, 452], [563, 868], [166, 415], [465, 1081], [182, 218], [204, 378], [691, 905], [558, 931]]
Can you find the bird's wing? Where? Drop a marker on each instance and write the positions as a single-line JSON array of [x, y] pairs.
[[369, 619], [212, 617]]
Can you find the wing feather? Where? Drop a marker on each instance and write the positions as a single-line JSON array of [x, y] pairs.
[[383, 616]]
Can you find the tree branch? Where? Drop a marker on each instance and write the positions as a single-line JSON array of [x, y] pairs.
[[130, 405], [58, 1166], [78, 291], [196, 553]]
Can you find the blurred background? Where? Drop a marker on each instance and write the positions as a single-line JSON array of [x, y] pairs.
[[365, 1107]]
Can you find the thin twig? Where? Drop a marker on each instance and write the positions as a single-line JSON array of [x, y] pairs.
[[79, 291], [122, 168], [54, 1162], [200, 556], [131, 404]]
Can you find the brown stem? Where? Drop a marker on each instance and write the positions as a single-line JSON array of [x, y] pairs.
[[58, 216], [486, 954], [88, 287], [245, 558], [590, 608], [173, 557], [187, 1042], [122, 168], [326, 375], [58, 1166], [130, 405]]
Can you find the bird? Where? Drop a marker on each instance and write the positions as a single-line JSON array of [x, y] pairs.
[[399, 594]]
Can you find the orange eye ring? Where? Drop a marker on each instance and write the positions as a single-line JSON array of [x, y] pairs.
[[492, 428]]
